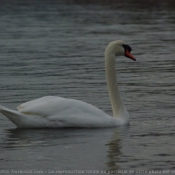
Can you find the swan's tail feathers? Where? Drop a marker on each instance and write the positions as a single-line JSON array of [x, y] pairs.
[[12, 115], [6, 110]]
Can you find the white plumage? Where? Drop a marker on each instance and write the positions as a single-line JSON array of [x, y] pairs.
[[58, 112]]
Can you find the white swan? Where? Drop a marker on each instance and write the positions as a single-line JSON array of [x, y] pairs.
[[58, 112]]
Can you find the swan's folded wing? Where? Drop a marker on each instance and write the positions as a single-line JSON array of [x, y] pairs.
[[45, 106], [37, 101], [54, 108]]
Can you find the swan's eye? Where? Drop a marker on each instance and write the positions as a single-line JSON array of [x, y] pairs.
[[127, 47]]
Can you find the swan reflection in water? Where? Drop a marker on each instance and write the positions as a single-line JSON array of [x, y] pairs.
[[114, 153], [58, 147]]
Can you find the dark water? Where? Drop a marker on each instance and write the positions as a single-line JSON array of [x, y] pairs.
[[57, 48]]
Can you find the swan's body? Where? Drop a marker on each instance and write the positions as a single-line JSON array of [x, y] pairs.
[[58, 112]]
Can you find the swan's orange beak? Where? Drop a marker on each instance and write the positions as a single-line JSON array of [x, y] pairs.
[[129, 55]]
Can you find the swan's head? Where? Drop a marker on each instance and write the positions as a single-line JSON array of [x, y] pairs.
[[119, 48]]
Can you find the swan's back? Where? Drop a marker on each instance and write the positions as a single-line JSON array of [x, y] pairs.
[[65, 112]]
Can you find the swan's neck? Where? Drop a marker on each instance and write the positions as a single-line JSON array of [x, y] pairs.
[[116, 101]]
